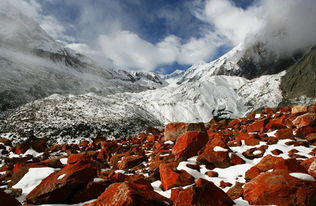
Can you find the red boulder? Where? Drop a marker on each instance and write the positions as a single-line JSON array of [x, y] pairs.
[[129, 194], [188, 144], [176, 129], [257, 126], [279, 188], [285, 133], [59, 187], [131, 161], [202, 193], [209, 155], [170, 177]]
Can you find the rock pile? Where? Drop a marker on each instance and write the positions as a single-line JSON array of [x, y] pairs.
[[266, 158]]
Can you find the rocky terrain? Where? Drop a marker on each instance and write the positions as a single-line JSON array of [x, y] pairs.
[[266, 158], [49, 90]]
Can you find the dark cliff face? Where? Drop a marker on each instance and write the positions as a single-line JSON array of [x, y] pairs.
[[300, 78], [259, 60]]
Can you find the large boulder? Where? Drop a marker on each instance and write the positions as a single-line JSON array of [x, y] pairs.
[[90, 191], [308, 119], [270, 162], [128, 162], [130, 194], [202, 192], [176, 129], [188, 144], [37, 144], [257, 126], [60, 186], [280, 188], [171, 177], [216, 152]]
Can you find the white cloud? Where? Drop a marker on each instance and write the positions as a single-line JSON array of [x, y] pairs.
[[129, 51], [50, 24], [286, 26], [289, 25], [230, 21], [199, 49]]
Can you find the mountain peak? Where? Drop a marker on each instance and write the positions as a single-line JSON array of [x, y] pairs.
[[22, 32]]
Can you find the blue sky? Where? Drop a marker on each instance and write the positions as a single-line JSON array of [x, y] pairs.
[[164, 35], [85, 22], [152, 21]]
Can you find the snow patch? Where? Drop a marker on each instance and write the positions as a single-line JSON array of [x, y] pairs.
[[32, 178], [219, 149], [302, 176]]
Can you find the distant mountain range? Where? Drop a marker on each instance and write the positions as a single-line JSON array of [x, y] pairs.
[[49, 90]]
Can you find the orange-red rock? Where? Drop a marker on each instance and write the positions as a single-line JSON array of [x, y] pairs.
[[188, 144], [201, 193], [236, 160], [176, 129], [217, 158], [255, 152], [279, 188], [234, 122], [257, 126], [285, 133], [304, 131], [212, 173], [306, 163], [235, 192], [311, 137], [268, 162], [90, 191], [224, 184], [275, 124], [59, 187], [131, 161], [170, 177], [308, 119], [272, 162], [130, 194], [276, 152], [312, 169], [76, 158], [252, 173], [250, 139]]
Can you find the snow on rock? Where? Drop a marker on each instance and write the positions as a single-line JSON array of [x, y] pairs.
[[61, 176], [32, 178], [168, 142], [64, 161], [219, 149], [158, 153], [302, 176], [262, 92]]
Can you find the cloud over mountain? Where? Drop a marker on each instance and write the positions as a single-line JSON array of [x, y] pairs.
[[108, 32]]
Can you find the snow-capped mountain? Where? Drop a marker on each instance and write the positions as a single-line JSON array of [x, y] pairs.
[[74, 97], [128, 113], [33, 65]]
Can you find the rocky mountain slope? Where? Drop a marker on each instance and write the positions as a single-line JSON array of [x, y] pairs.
[[265, 158], [81, 115], [76, 98], [33, 65], [300, 79]]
